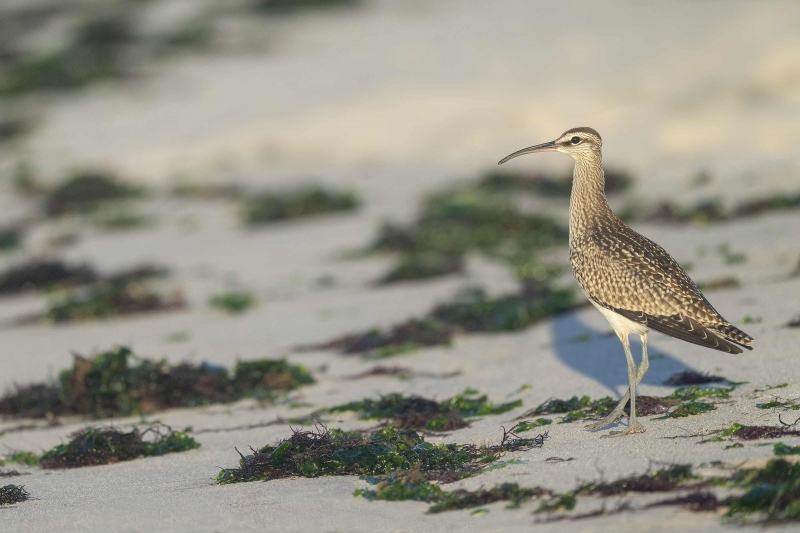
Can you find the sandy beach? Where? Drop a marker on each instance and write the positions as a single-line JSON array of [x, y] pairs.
[[395, 101]]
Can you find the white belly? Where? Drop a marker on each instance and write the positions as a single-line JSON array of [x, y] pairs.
[[622, 326]]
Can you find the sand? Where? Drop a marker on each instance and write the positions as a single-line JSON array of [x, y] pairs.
[[395, 100]]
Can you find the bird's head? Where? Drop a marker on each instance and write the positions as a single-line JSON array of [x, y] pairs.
[[578, 143]]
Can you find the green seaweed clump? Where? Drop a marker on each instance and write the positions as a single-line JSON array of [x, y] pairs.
[[109, 299], [10, 494], [415, 412], [694, 392], [527, 426], [42, 274], [689, 408], [410, 485], [325, 452], [424, 265], [773, 493], [402, 338], [233, 303], [455, 222], [475, 312], [84, 191], [575, 408], [310, 201], [118, 383], [22, 458], [104, 445], [784, 449], [288, 7], [662, 480], [10, 237]]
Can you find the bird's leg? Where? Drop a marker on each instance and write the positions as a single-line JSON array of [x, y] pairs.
[[633, 374], [619, 410]]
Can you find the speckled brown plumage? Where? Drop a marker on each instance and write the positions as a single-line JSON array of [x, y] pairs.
[[632, 281], [620, 270]]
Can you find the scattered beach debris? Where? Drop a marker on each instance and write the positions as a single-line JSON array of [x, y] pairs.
[[119, 383], [10, 237], [326, 452], [290, 7], [40, 274], [416, 412], [306, 202], [233, 302], [772, 493], [103, 445]]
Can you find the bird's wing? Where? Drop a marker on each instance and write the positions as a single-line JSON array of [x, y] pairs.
[[637, 278]]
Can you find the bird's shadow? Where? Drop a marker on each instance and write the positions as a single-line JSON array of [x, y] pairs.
[[598, 354]]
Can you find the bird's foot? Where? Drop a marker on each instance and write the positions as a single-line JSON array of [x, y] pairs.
[[613, 418], [635, 428]]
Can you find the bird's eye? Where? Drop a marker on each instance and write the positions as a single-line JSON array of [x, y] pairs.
[[576, 140]]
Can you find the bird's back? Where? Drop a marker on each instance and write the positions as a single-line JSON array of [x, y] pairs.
[[623, 271]]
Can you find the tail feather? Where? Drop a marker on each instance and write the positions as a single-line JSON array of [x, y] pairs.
[[734, 334]]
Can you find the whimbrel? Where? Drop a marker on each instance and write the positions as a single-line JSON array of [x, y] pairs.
[[631, 280]]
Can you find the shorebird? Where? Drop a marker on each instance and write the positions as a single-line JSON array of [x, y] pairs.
[[631, 280]]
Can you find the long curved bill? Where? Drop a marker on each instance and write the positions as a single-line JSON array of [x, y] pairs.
[[545, 147]]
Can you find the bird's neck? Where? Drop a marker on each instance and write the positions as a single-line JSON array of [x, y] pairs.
[[588, 206]]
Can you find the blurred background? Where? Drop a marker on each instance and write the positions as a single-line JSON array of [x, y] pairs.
[[330, 163]]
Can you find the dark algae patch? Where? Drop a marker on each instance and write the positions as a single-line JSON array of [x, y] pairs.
[[40, 274], [327, 452], [402, 338], [575, 408], [408, 486], [772, 493], [415, 412], [233, 303], [455, 222], [85, 191], [310, 201], [474, 311], [10, 494], [104, 445], [119, 383], [109, 299]]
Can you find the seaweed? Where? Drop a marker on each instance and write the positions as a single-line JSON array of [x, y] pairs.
[[473, 311], [309, 201], [234, 302], [772, 493], [84, 191], [743, 432], [712, 211], [402, 338], [10, 237], [118, 383], [402, 373], [662, 480], [416, 412], [689, 408], [527, 426], [574, 408], [39, 274], [108, 299], [103, 445], [10, 494], [328, 452], [424, 265], [403, 486], [455, 222]]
